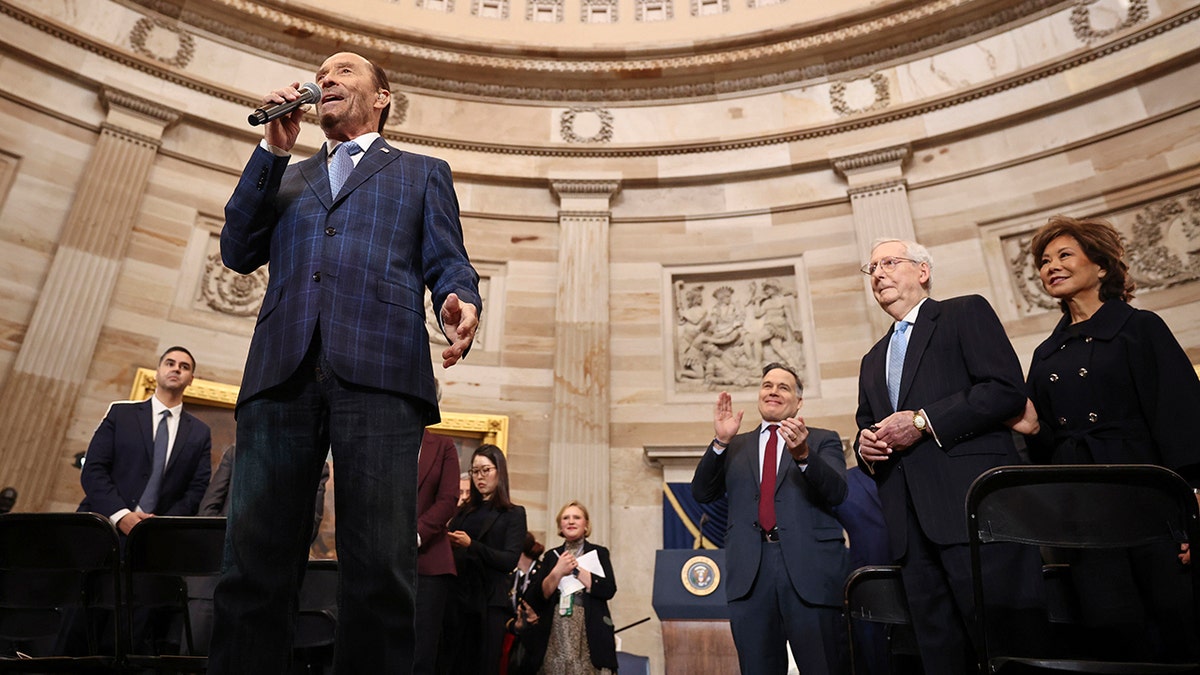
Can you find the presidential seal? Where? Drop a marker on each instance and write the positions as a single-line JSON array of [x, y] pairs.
[[700, 575]]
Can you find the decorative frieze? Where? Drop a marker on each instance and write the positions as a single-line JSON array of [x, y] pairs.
[[598, 11], [490, 9], [709, 7], [647, 11], [544, 11]]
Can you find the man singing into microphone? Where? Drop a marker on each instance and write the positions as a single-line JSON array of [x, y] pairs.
[[339, 359]]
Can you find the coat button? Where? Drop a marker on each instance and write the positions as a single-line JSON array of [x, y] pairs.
[[1062, 421], [1062, 346], [1083, 372], [317, 276], [1054, 377], [1087, 339], [330, 231], [1092, 417]]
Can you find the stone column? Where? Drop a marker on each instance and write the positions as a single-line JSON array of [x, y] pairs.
[[579, 430], [40, 394], [879, 198]]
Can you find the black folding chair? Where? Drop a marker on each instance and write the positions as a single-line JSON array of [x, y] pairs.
[[875, 594], [159, 553], [316, 624], [1079, 507], [48, 562]]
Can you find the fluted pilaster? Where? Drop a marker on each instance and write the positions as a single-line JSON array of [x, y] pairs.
[[879, 199], [39, 395], [579, 461]]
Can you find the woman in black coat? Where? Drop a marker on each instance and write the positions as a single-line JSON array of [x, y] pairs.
[[1111, 385], [581, 639], [486, 536]]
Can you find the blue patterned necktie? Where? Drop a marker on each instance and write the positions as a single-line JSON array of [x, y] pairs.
[[896, 353], [342, 165], [162, 437]]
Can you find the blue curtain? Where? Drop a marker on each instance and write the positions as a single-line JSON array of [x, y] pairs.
[[682, 516]]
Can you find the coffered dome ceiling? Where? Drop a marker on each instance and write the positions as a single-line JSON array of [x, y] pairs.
[[604, 50]]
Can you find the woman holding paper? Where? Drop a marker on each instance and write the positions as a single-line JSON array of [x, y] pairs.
[[571, 589]]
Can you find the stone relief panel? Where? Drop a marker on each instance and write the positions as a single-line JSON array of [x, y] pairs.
[[163, 41], [227, 292], [1162, 248], [1093, 20], [544, 11], [726, 324]]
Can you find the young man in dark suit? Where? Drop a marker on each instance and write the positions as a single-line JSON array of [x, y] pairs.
[[130, 473], [934, 395], [785, 553], [339, 361]]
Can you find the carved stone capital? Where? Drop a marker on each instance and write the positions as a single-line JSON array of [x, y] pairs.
[[573, 187], [115, 98], [898, 185], [895, 155]]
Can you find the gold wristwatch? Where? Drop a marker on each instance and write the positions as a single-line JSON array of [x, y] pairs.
[[919, 422]]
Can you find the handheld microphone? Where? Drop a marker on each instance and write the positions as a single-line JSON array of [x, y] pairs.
[[309, 93]]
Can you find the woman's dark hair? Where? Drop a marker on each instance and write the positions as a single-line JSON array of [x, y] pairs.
[[532, 548], [500, 500], [1100, 242]]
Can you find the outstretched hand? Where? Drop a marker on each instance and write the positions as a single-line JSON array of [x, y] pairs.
[[460, 320], [726, 423]]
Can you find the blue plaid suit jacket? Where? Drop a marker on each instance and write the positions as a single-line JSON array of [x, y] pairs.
[[355, 265]]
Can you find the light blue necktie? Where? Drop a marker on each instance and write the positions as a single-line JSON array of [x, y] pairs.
[[342, 165], [162, 437], [896, 353]]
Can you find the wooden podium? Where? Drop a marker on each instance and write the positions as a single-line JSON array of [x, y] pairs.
[[689, 598]]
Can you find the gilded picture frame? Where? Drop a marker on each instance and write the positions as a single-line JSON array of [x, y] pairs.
[[476, 429]]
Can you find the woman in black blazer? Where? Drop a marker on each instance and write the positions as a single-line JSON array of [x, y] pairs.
[[581, 638], [1111, 385], [486, 535]]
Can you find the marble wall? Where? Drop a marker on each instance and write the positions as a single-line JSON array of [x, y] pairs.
[[977, 142]]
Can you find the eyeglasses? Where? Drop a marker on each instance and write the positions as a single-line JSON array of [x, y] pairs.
[[482, 471], [888, 265]]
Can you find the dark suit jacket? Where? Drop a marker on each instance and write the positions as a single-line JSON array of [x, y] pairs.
[[809, 534], [358, 266], [121, 455], [1115, 389], [598, 623], [962, 371], [437, 499]]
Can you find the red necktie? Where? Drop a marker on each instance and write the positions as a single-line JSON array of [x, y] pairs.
[[766, 497]]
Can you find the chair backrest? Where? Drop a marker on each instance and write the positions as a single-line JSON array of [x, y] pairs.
[[47, 561], [1075, 506], [1081, 506], [875, 593], [176, 545]]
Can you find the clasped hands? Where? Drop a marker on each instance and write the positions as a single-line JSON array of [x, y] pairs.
[[891, 434]]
